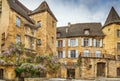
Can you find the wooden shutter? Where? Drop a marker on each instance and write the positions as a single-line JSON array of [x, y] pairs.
[[68, 42], [101, 43], [76, 42], [63, 43], [64, 55], [94, 41], [76, 53], [69, 55], [82, 41], [90, 41]]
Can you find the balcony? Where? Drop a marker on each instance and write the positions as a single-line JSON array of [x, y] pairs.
[[100, 56]]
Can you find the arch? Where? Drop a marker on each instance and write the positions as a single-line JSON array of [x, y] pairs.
[[118, 71]]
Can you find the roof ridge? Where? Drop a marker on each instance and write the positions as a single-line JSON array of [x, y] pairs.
[[113, 17]]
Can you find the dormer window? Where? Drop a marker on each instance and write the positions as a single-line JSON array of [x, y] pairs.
[[86, 31], [38, 24], [58, 34]]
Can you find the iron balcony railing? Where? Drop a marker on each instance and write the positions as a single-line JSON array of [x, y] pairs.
[[94, 55]]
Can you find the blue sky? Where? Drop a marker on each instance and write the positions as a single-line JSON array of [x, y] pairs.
[[77, 11]]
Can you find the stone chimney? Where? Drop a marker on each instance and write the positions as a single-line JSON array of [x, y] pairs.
[[69, 24]]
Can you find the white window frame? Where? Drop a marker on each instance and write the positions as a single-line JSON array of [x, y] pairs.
[[98, 53]]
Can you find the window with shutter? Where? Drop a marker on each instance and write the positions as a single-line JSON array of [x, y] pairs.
[[86, 42], [118, 33], [118, 46], [86, 53], [18, 38], [98, 53], [18, 22]]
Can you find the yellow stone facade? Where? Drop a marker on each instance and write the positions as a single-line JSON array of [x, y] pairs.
[[46, 32]]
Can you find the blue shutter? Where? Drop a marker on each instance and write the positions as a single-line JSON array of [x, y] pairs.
[[68, 42], [64, 55], [101, 43], [63, 43], [94, 42], [90, 41], [69, 54], [76, 42], [76, 53], [82, 41]]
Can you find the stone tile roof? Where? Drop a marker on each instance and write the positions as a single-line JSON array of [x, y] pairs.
[[113, 17], [20, 9], [76, 30], [43, 7]]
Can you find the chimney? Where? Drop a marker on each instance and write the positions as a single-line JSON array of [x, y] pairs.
[[69, 24], [66, 30]]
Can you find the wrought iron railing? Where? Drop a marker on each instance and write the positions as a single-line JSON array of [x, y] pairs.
[[94, 55]]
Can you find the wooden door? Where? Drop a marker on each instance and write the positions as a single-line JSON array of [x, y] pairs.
[[101, 69]]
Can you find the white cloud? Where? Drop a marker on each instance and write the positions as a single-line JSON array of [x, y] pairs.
[[77, 12]]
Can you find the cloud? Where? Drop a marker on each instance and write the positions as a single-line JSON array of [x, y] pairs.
[[77, 11]]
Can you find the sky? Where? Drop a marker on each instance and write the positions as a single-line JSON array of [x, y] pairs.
[[77, 11]]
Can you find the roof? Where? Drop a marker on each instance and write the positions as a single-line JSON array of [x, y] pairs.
[[41, 8], [76, 30], [113, 17], [20, 9]]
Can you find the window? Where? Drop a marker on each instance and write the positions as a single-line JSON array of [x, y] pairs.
[[58, 34], [98, 43], [86, 53], [118, 33], [38, 41], [86, 42], [18, 21], [98, 53], [73, 54], [118, 46], [73, 42], [38, 24], [52, 38], [86, 31], [60, 43], [17, 38], [61, 54], [118, 57]]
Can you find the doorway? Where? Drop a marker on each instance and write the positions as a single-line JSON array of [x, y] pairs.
[[1, 73], [101, 69], [71, 73], [118, 72]]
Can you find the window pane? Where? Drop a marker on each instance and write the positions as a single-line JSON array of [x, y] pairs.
[[118, 46], [98, 53], [38, 24], [86, 53], [17, 21], [17, 38]]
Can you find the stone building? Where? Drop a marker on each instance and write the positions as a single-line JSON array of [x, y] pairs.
[[36, 29], [96, 46]]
